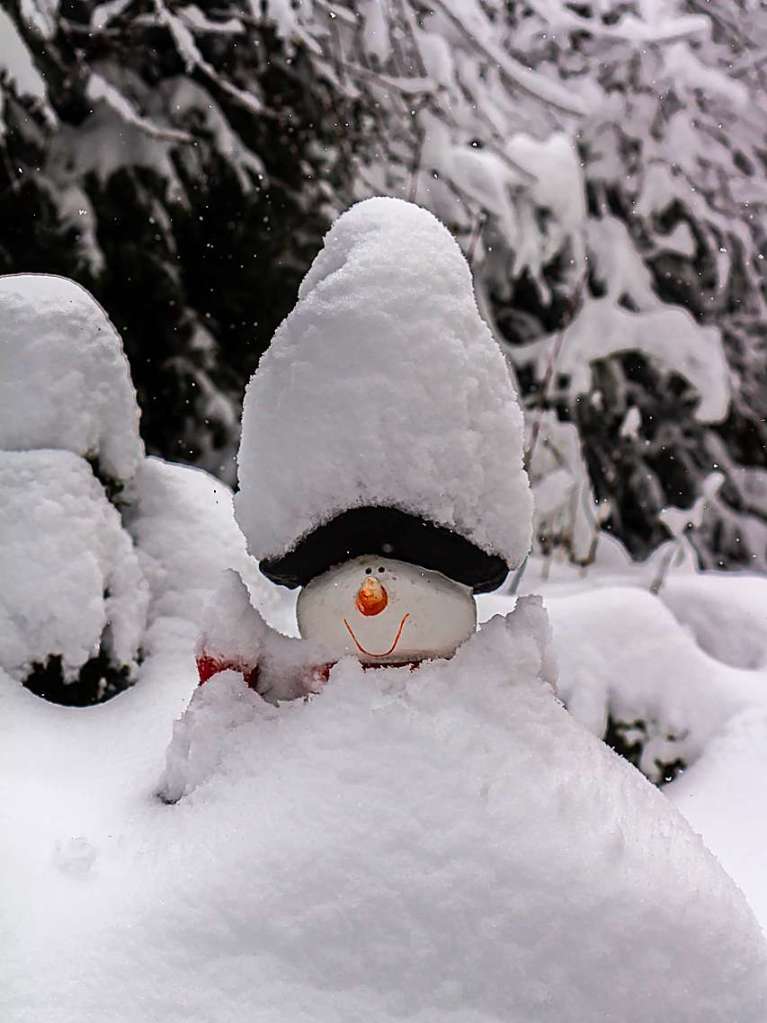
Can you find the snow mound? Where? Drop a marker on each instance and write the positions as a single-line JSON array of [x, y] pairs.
[[726, 614], [182, 522], [384, 387], [444, 843], [629, 673], [64, 378], [624, 662], [723, 796], [70, 576]]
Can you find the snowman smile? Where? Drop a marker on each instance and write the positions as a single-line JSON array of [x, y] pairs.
[[386, 653]]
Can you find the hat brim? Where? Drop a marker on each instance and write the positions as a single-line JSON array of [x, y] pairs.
[[391, 533]]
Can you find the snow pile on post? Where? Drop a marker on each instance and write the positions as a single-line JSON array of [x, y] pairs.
[[71, 582], [442, 843], [384, 387], [64, 378]]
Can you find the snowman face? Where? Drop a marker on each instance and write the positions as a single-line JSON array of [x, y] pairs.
[[386, 612]]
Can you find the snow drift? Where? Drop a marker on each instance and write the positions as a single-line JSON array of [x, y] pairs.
[[443, 844], [440, 843], [384, 387]]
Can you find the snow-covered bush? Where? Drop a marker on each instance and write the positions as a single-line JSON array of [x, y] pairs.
[[65, 383], [635, 679], [96, 542], [73, 599], [665, 330]]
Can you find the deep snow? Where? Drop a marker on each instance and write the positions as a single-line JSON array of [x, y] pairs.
[[253, 891], [447, 843]]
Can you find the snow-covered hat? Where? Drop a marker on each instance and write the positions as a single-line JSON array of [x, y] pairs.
[[64, 379], [382, 419]]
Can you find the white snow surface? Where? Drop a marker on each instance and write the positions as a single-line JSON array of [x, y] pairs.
[[182, 522], [723, 796], [622, 653], [68, 570], [64, 378], [441, 844], [384, 387], [728, 617], [699, 675]]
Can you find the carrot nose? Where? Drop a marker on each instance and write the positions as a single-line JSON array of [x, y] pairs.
[[372, 598]]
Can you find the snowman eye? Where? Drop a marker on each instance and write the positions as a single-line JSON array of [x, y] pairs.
[[368, 571], [381, 569]]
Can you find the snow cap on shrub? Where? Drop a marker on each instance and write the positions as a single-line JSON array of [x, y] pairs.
[[64, 378], [385, 389], [71, 580]]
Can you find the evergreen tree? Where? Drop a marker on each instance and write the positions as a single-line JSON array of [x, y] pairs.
[[182, 167], [602, 164]]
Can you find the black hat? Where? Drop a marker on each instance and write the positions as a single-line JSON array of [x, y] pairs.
[[390, 533]]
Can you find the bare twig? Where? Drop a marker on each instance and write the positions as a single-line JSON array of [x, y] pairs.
[[554, 354], [415, 167], [556, 351], [476, 234]]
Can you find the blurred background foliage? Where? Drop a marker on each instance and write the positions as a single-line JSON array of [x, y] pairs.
[[602, 164]]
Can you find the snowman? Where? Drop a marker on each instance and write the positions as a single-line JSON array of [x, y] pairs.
[[380, 465], [443, 817]]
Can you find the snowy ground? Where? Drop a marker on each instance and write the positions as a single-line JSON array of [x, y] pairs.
[[696, 658], [115, 906]]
